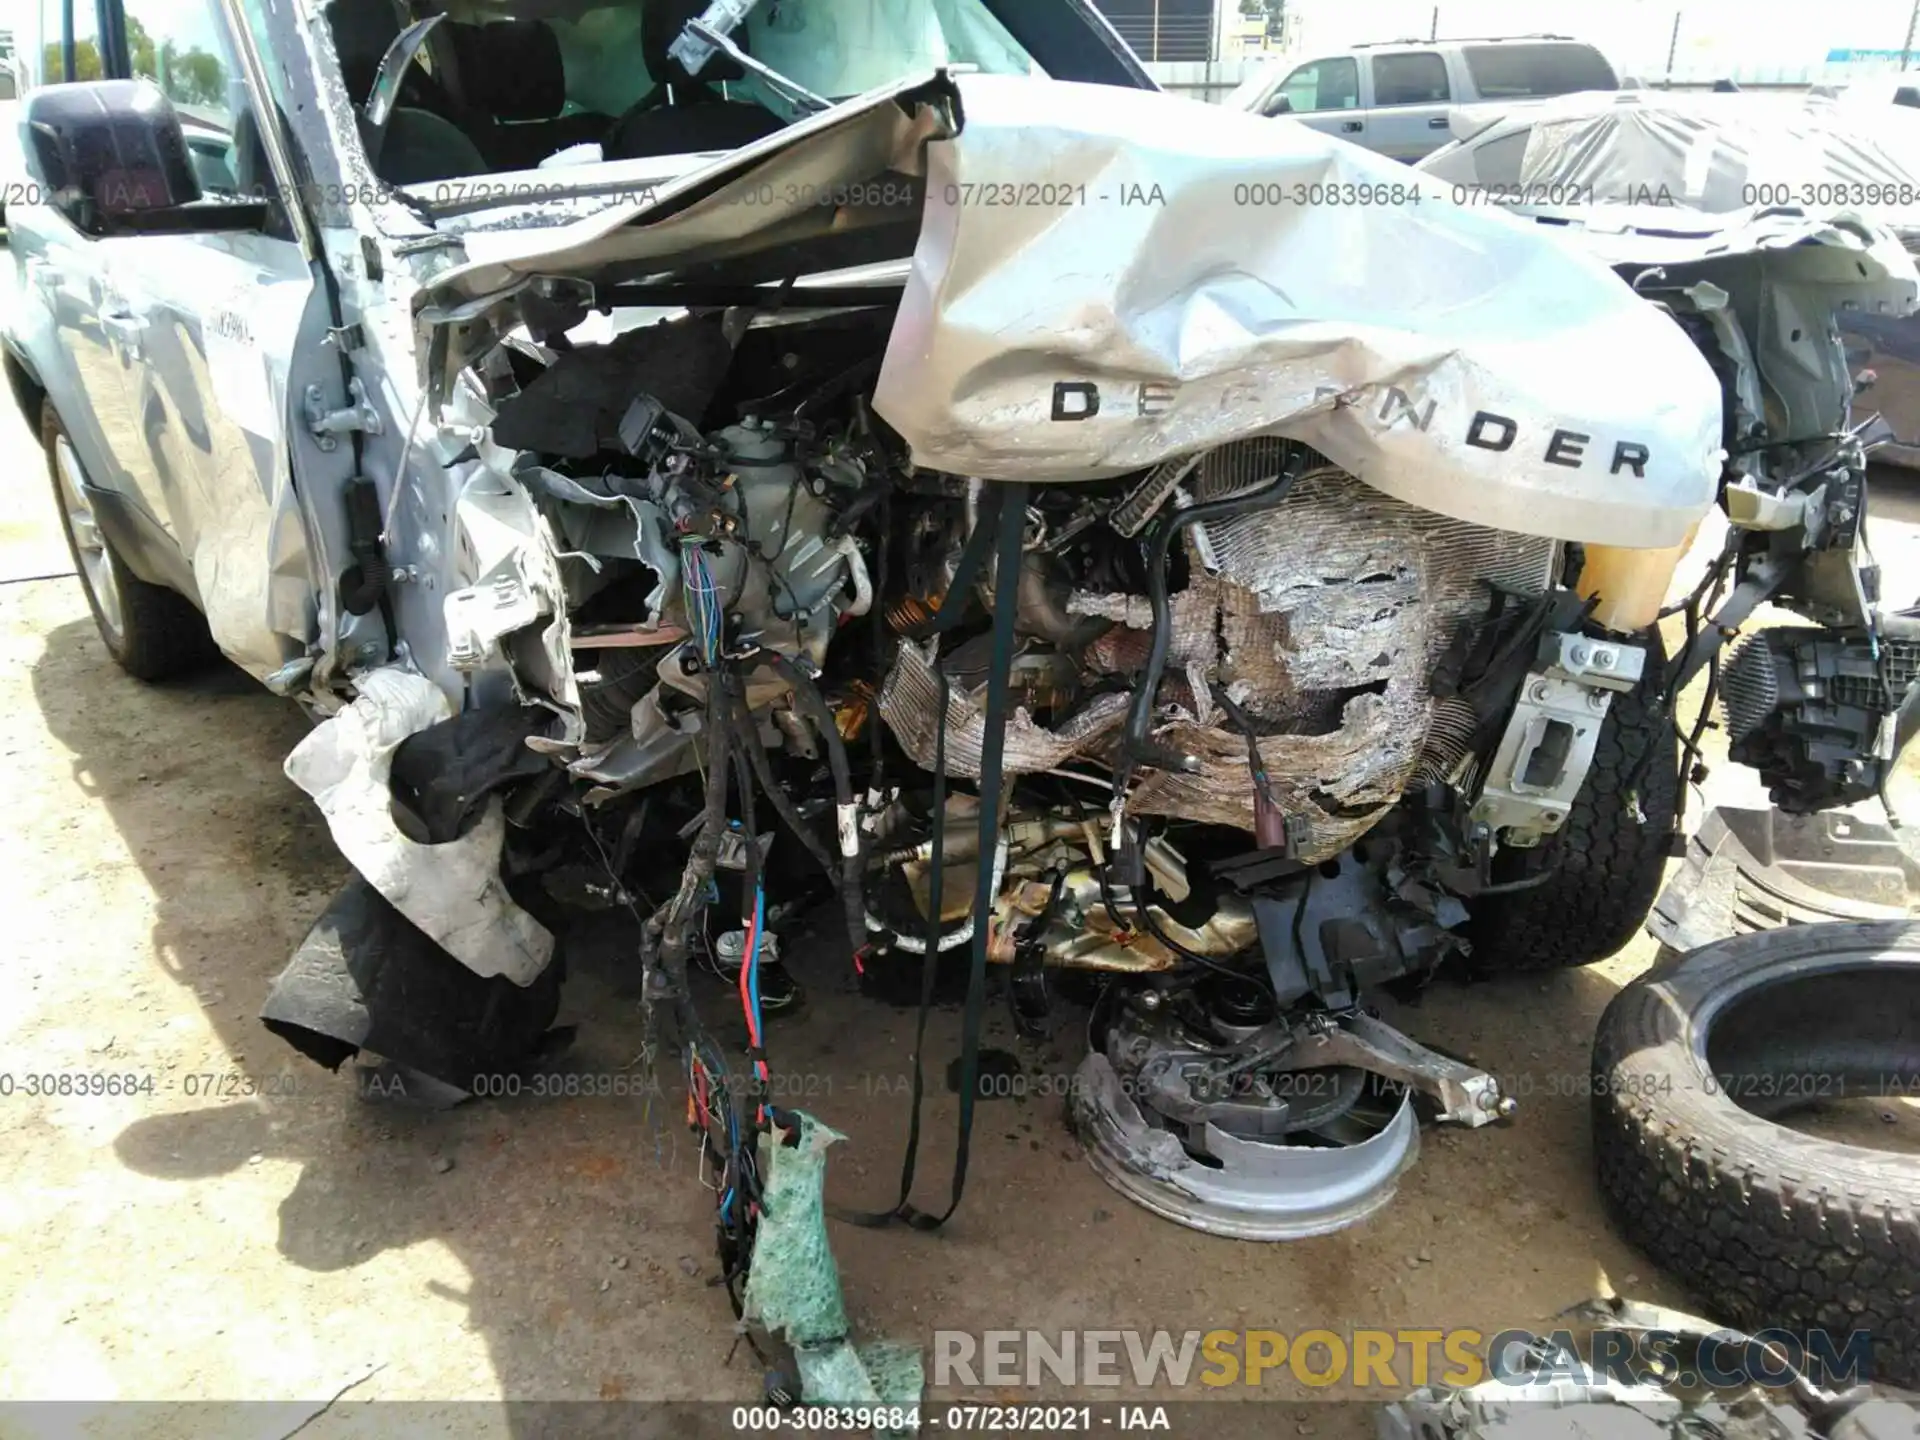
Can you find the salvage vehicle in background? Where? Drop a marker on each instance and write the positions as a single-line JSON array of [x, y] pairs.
[[1642, 176], [1397, 97], [814, 492]]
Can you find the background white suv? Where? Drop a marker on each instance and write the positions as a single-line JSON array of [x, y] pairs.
[[1395, 97]]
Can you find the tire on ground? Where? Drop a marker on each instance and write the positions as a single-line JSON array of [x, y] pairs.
[[161, 634], [1606, 861], [1770, 1227]]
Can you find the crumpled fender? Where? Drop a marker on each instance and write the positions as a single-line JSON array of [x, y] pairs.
[[452, 892]]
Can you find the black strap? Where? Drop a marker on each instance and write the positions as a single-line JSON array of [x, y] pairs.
[[1762, 580], [1000, 523]]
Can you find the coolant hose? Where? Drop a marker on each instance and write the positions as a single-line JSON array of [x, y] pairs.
[[846, 812], [756, 757], [1133, 740]]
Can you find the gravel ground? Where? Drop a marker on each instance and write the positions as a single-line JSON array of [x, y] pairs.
[[244, 1227]]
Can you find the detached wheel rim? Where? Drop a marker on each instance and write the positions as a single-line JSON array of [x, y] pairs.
[[89, 545]]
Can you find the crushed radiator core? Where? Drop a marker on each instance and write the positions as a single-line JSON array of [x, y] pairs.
[[1324, 618]]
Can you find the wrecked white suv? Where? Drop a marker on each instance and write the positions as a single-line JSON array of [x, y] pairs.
[[722, 459]]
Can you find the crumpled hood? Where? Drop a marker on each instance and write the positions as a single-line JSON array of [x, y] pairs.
[[1107, 279]]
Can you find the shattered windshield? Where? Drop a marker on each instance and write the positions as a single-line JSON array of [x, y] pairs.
[[510, 85]]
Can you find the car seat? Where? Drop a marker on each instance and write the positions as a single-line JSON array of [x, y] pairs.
[[683, 114], [514, 85], [423, 142]]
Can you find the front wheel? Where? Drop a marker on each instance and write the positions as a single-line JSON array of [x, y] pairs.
[[1605, 864], [151, 632]]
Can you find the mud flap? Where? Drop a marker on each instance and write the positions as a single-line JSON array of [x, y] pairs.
[[1752, 870], [367, 978]]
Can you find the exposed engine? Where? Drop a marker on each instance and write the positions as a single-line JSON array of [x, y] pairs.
[[1260, 740], [1236, 737]]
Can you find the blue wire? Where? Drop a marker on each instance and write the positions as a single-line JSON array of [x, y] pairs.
[[702, 600], [753, 959]]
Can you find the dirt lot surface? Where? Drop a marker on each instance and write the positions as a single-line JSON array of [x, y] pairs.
[[244, 1227]]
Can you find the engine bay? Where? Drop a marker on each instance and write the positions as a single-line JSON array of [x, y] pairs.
[[1214, 736]]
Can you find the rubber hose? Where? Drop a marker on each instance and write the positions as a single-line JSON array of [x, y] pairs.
[[705, 855], [756, 756], [1140, 714], [852, 893]]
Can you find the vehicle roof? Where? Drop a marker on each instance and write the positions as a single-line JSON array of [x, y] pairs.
[[1470, 40]]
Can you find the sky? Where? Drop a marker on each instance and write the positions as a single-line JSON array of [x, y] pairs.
[[1751, 36]]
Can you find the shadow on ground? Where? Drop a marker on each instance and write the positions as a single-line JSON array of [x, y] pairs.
[[582, 1223]]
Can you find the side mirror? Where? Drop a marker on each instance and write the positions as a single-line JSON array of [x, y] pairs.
[[109, 155], [1279, 105]]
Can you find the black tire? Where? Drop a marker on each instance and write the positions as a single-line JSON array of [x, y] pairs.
[[1606, 862], [151, 632], [1768, 1226]]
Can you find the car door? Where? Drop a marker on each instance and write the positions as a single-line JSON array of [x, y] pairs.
[[216, 316], [1407, 116], [1325, 94]]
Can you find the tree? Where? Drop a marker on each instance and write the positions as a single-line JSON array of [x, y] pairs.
[[140, 48], [86, 62], [193, 77], [86, 55]]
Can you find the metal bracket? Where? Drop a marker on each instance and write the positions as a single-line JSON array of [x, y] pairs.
[[1548, 746], [326, 426], [1465, 1095]]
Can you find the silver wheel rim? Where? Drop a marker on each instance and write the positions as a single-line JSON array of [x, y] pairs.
[[1259, 1191], [89, 545]]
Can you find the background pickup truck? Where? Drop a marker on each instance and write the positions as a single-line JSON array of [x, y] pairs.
[[1395, 97]]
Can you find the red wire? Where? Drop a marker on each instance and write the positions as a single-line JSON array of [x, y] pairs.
[[746, 994], [746, 1008]]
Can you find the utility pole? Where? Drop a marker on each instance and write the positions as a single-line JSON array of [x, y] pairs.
[[1906, 50]]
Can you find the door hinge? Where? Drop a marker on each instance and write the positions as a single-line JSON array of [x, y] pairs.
[[327, 426]]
